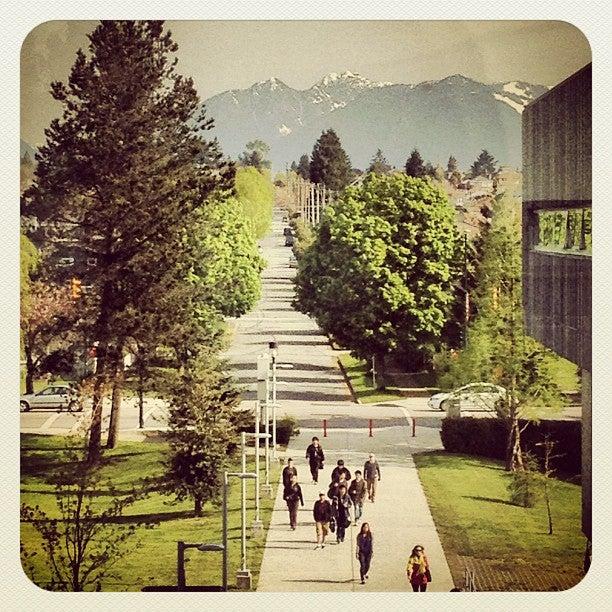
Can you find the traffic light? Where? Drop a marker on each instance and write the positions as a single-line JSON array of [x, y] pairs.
[[75, 289]]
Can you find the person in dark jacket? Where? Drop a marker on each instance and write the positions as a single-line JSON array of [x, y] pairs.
[[334, 486], [342, 511], [293, 496], [357, 493], [315, 456], [288, 471], [340, 469], [371, 473], [365, 550], [322, 512]]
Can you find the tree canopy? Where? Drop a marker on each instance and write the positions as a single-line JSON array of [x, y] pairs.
[[378, 276], [303, 167], [256, 155], [485, 165], [329, 163]]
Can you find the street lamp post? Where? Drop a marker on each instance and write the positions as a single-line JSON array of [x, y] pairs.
[[180, 560], [257, 525], [273, 353], [263, 376], [243, 575]]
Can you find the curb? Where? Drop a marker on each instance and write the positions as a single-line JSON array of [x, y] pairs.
[[348, 382]]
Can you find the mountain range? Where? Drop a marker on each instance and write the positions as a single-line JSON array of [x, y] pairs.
[[452, 116]]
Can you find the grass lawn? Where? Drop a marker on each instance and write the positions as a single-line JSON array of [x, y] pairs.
[[153, 561], [362, 382], [469, 502]]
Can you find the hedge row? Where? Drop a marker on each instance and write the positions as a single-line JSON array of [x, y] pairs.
[[486, 437], [285, 428]]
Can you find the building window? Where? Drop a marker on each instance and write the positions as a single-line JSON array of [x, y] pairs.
[[563, 231]]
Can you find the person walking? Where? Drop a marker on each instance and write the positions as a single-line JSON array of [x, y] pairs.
[[322, 512], [288, 471], [417, 569], [342, 511], [371, 473], [316, 457], [357, 493], [365, 549], [340, 469], [334, 486], [293, 497]]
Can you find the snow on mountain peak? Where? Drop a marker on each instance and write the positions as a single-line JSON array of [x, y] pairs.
[[353, 79]]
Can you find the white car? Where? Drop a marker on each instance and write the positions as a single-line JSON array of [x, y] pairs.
[[475, 396], [53, 396]]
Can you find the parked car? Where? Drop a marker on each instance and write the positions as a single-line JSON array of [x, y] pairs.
[[293, 262], [287, 232], [54, 396], [289, 240], [475, 396]]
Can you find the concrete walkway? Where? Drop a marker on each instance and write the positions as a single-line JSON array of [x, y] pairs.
[[399, 519]]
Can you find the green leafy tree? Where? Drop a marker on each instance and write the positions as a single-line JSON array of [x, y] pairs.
[[415, 166], [485, 165], [121, 174], [329, 163], [303, 167], [202, 434], [379, 164], [84, 543], [255, 194], [498, 350], [378, 276]]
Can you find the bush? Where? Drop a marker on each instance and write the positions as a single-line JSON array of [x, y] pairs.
[[255, 193], [286, 427], [486, 437]]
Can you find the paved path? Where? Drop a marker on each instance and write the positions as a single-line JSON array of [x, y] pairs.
[[312, 390]]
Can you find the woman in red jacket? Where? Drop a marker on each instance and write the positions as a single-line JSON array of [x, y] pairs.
[[417, 569]]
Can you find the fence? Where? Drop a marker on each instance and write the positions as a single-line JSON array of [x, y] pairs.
[[309, 199]]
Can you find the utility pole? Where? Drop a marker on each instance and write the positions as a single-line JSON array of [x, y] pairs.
[[273, 354], [263, 391]]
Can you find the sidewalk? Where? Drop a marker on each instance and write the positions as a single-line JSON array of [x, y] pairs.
[[399, 519]]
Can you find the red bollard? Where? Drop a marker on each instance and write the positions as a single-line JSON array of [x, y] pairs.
[[413, 427], [325, 428], [370, 428]]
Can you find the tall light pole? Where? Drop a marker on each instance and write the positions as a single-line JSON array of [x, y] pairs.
[[243, 575], [273, 354], [257, 525], [263, 379]]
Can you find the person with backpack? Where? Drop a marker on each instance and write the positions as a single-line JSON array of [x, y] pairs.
[[340, 469], [316, 457], [342, 511], [322, 513], [365, 549], [293, 497], [357, 493]]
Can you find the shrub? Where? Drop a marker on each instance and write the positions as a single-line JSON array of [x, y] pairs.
[[524, 485], [487, 437]]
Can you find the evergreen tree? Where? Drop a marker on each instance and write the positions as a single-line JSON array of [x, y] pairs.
[[451, 166], [202, 434], [430, 170], [485, 165], [414, 165], [293, 167], [379, 164], [303, 167], [256, 155], [122, 173], [329, 163]]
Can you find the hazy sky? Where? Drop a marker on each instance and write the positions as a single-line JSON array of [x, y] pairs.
[[225, 55]]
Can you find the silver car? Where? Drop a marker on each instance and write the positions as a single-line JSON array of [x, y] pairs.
[[53, 396], [472, 397]]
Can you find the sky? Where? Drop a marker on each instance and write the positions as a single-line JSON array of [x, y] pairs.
[[222, 55]]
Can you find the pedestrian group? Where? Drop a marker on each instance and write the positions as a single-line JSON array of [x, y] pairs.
[[344, 498]]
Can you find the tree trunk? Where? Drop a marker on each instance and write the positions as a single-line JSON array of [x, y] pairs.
[[95, 432], [140, 402], [29, 378], [198, 505], [113, 428], [514, 454], [380, 371]]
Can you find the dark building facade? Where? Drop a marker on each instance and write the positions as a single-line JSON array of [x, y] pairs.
[[557, 236]]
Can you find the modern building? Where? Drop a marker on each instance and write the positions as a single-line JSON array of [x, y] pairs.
[[557, 236]]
